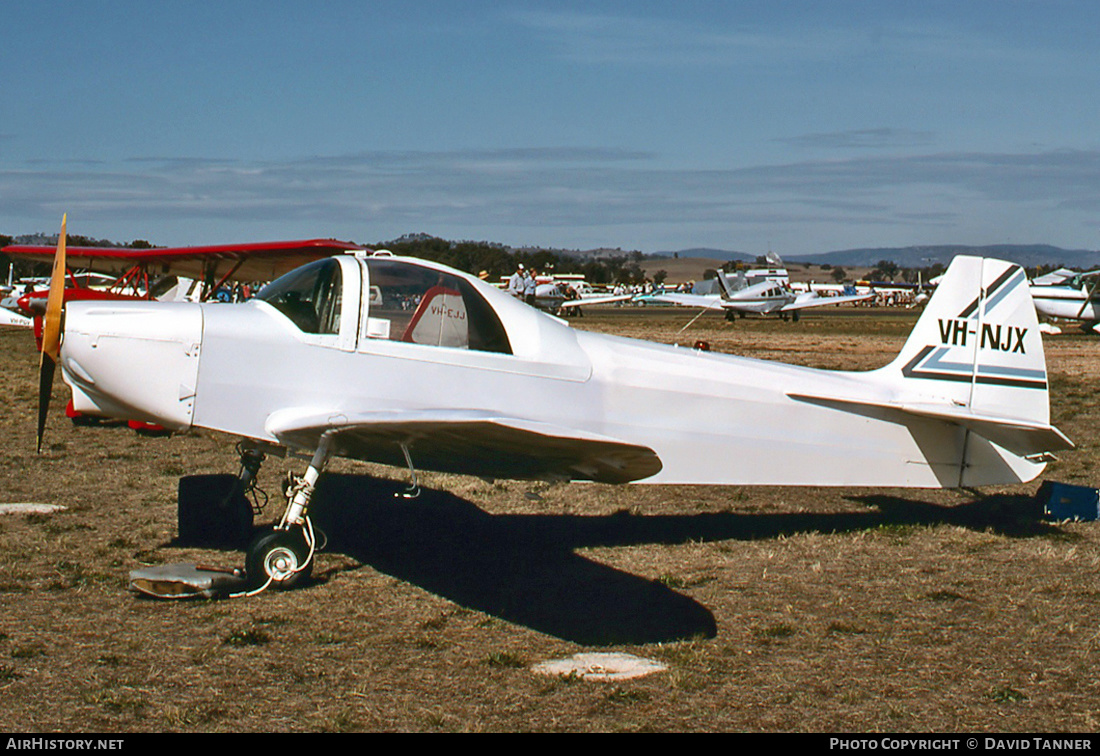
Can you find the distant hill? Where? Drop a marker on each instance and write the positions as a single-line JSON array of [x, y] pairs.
[[707, 253], [681, 269], [1027, 255]]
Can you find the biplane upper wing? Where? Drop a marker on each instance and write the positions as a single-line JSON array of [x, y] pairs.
[[258, 261]]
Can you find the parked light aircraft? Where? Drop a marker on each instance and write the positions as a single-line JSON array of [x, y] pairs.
[[12, 318], [768, 297], [1069, 295], [9, 311], [410, 363], [555, 298], [561, 296]]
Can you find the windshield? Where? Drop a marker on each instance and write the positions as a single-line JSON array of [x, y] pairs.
[[310, 296]]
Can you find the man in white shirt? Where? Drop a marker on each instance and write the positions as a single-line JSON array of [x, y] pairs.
[[516, 284]]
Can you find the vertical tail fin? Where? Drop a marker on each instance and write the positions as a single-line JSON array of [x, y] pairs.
[[977, 349], [728, 288], [979, 339]]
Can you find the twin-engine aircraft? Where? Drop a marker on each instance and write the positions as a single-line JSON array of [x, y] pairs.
[[764, 298], [410, 363]]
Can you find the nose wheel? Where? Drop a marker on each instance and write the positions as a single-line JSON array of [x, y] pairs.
[[282, 559]]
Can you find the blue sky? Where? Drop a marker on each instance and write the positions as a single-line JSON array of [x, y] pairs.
[[800, 127]]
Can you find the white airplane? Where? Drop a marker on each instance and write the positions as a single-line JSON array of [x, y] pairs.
[[9, 308], [765, 298], [12, 318], [1069, 295], [410, 363], [553, 296]]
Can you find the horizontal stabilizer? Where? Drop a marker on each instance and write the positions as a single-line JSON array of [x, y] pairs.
[[1020, 437]]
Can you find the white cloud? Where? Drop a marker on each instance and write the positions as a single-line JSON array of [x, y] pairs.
[[544, 195], [880, 138]]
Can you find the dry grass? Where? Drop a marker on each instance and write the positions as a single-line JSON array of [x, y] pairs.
[[776, 609]]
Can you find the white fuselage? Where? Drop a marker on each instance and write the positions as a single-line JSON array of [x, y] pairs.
[[1069, 302], [710, 418]]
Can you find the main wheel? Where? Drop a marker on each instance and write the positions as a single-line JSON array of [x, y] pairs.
[[280, 556]]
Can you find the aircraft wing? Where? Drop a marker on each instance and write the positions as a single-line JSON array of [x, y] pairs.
[[1054, 277], [804, 302], [469, 442], [687, 300], [1062, 277], [596, 300], [262, 261]]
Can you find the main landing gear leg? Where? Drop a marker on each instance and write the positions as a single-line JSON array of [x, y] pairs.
[[252, 458], [284, 557]]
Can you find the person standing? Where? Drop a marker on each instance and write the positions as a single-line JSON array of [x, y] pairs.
[[530, 286], [516, 283]]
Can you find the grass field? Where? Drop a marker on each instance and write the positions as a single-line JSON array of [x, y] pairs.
[[774, 609]]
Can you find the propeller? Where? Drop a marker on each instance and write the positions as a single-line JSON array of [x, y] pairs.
[[51, 333]]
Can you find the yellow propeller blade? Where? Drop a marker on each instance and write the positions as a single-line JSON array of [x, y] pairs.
[[51, 332]]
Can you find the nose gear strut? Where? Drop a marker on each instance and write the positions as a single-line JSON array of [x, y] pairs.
[[284, 556]]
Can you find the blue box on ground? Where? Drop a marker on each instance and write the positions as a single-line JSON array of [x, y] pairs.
[[1061, 501]]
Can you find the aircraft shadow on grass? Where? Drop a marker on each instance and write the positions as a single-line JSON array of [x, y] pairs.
[[525, 569]]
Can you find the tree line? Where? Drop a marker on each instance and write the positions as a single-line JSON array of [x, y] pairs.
[[494, 261]]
